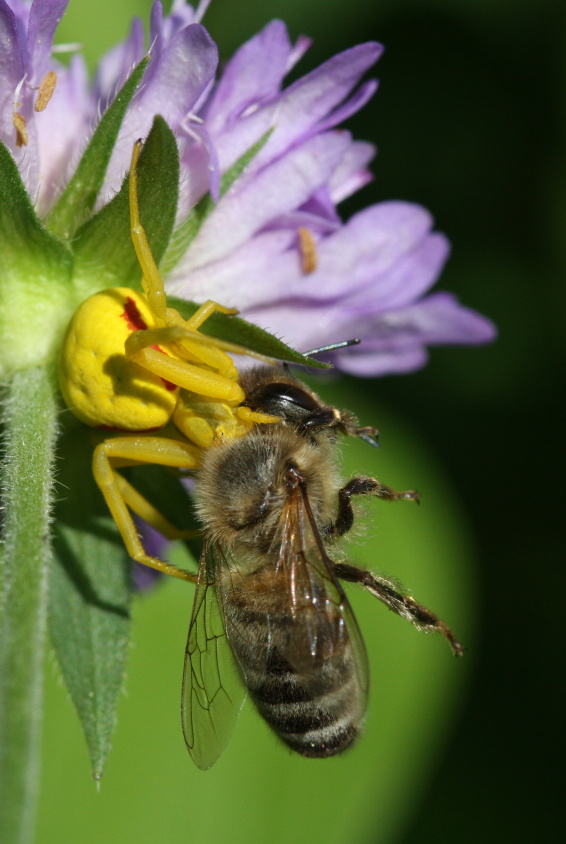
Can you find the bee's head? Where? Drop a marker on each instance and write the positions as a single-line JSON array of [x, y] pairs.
[[275, 392]]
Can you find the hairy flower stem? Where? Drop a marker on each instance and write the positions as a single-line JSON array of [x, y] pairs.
[[30, 423]]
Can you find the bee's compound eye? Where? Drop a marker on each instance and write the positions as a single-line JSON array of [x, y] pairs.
[[283, 398]]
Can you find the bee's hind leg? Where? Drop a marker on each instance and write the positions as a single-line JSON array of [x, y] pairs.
[[383, 589], [404, 605]]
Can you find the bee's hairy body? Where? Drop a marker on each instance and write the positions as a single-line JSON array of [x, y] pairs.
[[317, 708], [273, 504], [243, 485]]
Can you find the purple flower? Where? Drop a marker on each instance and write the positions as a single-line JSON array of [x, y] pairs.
[[26, 33], [372, 273], [274, 245]]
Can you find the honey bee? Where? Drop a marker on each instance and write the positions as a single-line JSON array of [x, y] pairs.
[[269, 607]]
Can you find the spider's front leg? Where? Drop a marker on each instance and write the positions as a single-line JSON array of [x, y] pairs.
[[121, 497], [194, 361], [140, 347]]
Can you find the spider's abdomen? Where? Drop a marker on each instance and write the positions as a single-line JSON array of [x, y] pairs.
[[99, 383]]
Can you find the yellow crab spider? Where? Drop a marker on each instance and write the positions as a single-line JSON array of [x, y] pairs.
[[130, 364]]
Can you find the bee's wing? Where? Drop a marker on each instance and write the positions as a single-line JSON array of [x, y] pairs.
[[213, 692], [298, 617], [323, 620]]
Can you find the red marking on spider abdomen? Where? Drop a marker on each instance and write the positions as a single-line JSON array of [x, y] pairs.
[[136, 322], [131, 314]]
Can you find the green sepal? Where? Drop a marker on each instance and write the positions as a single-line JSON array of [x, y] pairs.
[[234, 329], [188, 229], [76, 202], [103, 248], [89, 594], [35, 276]]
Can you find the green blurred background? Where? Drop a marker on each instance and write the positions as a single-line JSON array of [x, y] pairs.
[[469, 121]]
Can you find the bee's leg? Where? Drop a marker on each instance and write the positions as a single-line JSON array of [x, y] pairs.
[[331, 417], [403, 605], [364, 486], [347, 424]]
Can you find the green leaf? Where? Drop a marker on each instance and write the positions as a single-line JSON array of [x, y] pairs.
[[89, 593], [188, 229], [76, 202], [30, 420], [104, 253], [233, 329], [25, 241], [35, 275]]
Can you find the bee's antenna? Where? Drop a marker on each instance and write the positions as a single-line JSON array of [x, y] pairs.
[[343, 344]]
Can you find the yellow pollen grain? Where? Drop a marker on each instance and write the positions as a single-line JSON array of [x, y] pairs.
[[46, 88]]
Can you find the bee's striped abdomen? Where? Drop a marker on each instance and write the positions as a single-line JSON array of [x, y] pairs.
[[316, 709]]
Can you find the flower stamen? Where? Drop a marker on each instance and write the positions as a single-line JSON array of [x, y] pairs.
[[45, 92], [307, 250], [19, 122]]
